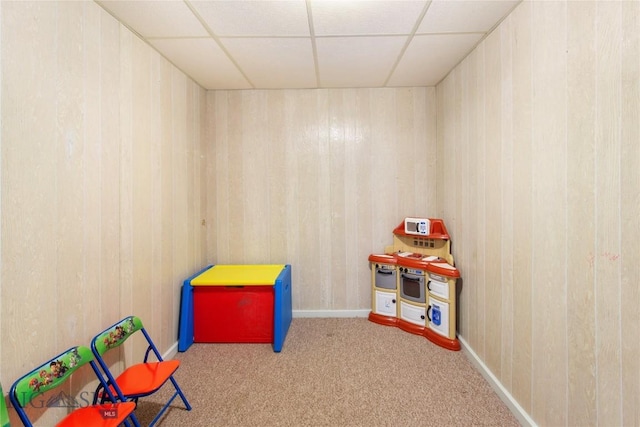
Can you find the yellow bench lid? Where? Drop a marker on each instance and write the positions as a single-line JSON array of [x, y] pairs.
[[239, 275]]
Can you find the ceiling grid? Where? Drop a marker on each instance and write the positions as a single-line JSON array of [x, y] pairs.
[[290, 44]]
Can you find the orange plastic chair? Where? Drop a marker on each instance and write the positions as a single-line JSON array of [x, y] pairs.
[[55, 373], [141, 379]]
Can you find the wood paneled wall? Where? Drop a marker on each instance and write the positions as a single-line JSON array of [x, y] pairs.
[[539, 133], [102, 182], [120, 177], [318, 179]]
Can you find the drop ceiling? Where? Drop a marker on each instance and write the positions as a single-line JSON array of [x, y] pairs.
[[288, 44]]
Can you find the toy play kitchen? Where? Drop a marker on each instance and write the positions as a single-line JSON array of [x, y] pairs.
[[413, 284]]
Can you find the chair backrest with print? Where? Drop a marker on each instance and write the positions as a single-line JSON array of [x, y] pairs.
[[48, 376], [117, 334]]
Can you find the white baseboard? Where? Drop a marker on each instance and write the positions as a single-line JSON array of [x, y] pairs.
[[331, 313], [173, 350], [497, 386]]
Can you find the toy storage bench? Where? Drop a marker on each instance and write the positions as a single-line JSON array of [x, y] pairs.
[[236, 303]]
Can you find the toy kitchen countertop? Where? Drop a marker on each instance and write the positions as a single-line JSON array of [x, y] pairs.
[[431, 263]]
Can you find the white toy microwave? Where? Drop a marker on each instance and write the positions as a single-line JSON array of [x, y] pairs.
[[419, 226]]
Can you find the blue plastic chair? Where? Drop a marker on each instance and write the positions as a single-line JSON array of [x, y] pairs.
[[141, 379]]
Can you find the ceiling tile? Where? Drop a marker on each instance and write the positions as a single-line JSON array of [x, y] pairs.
[[156, 18], [255, 18], [430, 57], [469, 16], [357, 61], [365, 17], [204, 61], [274, 62]]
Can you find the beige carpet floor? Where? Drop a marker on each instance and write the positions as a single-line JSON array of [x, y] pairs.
[[331, 372]]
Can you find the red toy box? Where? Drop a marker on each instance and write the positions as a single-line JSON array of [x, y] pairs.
[[233, 314]]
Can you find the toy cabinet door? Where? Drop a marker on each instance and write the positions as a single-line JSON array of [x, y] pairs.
[[386, 304], [439, 288], [438, 314], [413, 313]]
